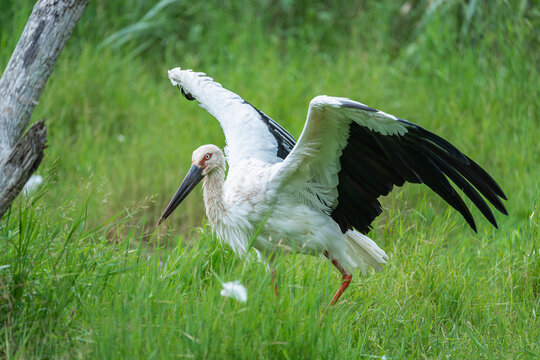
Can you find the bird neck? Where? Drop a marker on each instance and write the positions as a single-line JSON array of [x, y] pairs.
[[213, 194]]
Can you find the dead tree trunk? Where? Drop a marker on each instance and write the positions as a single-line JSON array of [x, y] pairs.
[[43, 38]]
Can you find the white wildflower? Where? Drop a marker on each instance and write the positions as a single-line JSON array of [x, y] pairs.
[[121, 138], [32, 184], [234, 290]]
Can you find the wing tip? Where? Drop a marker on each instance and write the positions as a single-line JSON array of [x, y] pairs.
[[174, 75], [470, 220], [503, 209]]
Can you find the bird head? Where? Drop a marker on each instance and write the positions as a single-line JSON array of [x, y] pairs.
[[204, 161], [208, 158]]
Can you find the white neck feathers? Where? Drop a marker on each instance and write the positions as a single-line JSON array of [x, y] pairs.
[[213, 194]]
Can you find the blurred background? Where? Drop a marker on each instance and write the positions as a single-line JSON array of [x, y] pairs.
[[120, 136], [83, 274]]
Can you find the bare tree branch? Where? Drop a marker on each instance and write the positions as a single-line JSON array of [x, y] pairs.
[[23, 160], [44, 36]]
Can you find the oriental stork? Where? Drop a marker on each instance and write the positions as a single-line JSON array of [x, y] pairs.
[[318, 195]]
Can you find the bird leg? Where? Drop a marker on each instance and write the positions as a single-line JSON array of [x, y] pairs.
[[346, 277]]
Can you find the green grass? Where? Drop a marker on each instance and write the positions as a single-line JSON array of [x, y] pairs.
[[84, 274]]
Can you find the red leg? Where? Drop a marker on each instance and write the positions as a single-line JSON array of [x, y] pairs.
[[346, 277]]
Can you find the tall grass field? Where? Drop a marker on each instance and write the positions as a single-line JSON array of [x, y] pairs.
[[84, 272]]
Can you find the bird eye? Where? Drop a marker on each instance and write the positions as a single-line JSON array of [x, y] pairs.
[[207, 156]]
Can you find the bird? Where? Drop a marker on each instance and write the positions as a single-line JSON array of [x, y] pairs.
[[318, 195]]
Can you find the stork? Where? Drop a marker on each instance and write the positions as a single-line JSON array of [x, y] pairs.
[[318, 195]]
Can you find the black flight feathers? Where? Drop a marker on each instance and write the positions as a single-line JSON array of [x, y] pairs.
[[285, 141], [372, 163], [185, 94]]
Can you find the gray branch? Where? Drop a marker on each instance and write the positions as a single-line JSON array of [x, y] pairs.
[[23, 160], [44, 36]]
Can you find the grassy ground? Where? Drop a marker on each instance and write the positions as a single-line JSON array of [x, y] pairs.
[[84, 274]]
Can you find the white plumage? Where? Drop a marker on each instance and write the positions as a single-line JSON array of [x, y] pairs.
[[318, 196]]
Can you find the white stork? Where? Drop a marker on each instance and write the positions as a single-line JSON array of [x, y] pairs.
[[318, 195]]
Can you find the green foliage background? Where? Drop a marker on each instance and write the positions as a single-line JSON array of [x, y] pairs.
[[83, 272]]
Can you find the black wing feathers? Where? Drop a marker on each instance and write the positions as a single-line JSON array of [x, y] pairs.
[[285, 141], [372, 163], [348, 214], [186, 94], [434, 178], [471, 171], [467, 188]]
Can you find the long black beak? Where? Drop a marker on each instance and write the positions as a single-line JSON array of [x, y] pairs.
[[193, 177]]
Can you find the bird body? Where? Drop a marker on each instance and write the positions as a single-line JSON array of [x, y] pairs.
[[243, 204], [318, 195]]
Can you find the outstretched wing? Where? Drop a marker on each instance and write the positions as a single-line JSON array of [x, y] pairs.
[[350, 154], [249, 133]]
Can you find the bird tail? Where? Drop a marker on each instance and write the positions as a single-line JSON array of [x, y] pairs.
[[364, 252]]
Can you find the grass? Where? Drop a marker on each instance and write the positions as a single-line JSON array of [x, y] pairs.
[[84, 274]]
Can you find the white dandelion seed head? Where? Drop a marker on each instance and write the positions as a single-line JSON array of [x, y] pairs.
[[235, 290]]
